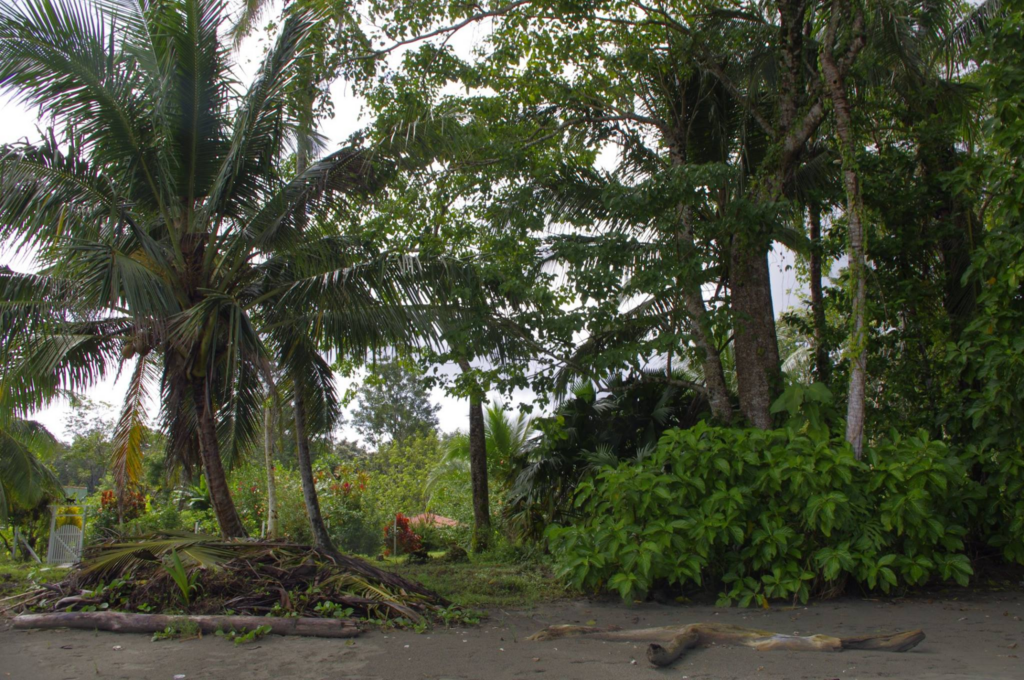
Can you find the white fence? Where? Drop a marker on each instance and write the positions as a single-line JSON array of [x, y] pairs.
[[67, 533]]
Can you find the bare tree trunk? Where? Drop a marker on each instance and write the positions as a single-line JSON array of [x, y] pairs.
[[478, 469], [321, 538], [821, 362], [835, 77], [216, 481], [268, 454], [800, 112], [758, 372]]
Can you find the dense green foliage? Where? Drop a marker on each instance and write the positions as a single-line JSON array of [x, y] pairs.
[[779, 514], [579, 210]]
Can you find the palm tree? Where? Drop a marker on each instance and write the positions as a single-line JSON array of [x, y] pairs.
[[25, 481], [506, 441], [156, 205]]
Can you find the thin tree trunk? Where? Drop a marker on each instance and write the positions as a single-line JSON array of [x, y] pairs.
[[478, 470], [693, 301], [316, 521], [268, 454], [711, 360], [216, 481], [834, 76], [821, 362], [321, 538], [758, 372]]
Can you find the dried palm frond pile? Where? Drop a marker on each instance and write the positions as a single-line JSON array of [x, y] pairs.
[[198, 574]]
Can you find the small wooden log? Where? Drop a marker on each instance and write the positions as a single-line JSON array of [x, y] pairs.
[[679, 639], [664, 656], [897, 642], [122, 622]]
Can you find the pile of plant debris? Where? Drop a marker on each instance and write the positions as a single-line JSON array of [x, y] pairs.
[[196, 574]]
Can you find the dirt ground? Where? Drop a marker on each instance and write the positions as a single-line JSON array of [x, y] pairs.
[[969, 636]]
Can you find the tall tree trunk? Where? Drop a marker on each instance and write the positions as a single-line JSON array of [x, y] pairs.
[[478, 469], [821, 362], [321, 538], [268, 453], [835, 77], [316, 521], [758, 372], [216, 481], [800, 112]]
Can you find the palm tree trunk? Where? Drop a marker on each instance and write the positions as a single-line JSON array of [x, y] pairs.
[[821, 363], [321, 538], [834, 76], [316, 521], [216, 481], [478, 470], [758, 372], [268, 454]]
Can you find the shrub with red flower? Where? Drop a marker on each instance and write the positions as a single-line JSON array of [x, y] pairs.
[[134, 504], [406, 539]]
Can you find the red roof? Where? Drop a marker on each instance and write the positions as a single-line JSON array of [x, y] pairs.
[[433, 520]]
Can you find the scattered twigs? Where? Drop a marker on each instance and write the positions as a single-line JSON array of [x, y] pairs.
[[22, 600], [668, 643], [121, 622], [37, 591]]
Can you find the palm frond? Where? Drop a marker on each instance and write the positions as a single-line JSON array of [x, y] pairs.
[[49, 190], [24, 480], [126, 455], [55, 56], [258, 125], [112, 560], [960, 40]]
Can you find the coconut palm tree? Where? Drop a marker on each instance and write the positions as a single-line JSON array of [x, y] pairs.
[[25, 481], [507, 440], [170, 238]]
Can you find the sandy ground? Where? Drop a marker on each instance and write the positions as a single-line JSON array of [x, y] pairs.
[[969, 636]]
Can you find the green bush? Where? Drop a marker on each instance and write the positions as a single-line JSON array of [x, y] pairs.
[[165, 518], [771, 514], [249, 491]]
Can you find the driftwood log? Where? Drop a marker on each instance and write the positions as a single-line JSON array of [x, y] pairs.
[[121, 622], [668, 643]]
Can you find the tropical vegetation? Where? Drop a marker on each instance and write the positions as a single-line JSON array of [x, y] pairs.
[[733, 292]]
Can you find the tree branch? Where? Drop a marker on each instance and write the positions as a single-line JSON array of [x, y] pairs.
[[717, 71], [501, 11]]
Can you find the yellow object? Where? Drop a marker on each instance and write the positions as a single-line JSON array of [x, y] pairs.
[[69, 515]]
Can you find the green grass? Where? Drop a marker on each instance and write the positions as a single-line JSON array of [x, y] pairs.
[[486, 582], [17, 577]]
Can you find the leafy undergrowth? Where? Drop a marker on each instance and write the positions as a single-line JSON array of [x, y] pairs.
[[487, 582]]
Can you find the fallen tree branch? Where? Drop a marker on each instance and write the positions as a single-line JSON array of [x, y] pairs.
[[121, 622], [21, 599], [668, 643]]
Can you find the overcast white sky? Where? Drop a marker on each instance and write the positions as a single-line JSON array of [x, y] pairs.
[[17, 122]]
